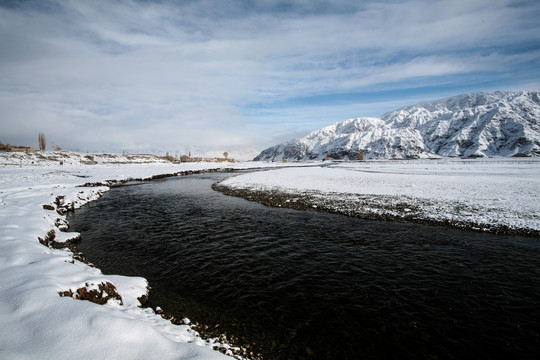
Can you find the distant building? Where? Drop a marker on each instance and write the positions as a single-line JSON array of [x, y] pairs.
[[22, 148]]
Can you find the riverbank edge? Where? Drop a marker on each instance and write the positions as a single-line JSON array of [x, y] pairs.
[[219, 342], [368, 207]]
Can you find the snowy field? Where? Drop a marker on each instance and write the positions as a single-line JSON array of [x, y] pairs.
[[498, 195], [35, 321]]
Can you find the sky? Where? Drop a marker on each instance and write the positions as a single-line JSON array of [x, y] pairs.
[[239, 76]]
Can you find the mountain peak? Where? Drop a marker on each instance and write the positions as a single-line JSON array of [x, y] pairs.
[[476, 124]]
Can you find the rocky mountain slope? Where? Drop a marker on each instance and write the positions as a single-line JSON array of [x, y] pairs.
[[470, 125]]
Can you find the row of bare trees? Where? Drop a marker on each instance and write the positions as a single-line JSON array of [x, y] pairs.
[[43, 143]]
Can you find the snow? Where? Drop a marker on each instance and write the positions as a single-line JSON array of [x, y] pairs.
[[470, 125], [35, 321], [490, 192]]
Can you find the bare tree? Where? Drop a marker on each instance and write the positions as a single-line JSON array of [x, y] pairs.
[[42, 142], [225, 154], [168, 157], [4, 147]]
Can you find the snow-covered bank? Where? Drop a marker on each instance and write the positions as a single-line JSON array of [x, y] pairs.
[[36, 322], [498, 195]]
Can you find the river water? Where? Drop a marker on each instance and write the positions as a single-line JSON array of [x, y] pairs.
[[292, 284]]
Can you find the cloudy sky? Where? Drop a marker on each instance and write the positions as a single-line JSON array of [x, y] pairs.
[[231, 75]]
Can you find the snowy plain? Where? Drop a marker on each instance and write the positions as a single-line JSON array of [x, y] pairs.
[[35, 321], [484, 194]]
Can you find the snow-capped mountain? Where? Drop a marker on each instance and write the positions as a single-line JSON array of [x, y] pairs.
[[477, 124]]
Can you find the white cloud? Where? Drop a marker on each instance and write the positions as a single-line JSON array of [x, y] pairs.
[[136, 74]]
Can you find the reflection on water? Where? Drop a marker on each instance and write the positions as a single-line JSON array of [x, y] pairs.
[[315, 285]]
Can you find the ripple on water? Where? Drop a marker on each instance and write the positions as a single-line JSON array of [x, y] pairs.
[[315, 285]]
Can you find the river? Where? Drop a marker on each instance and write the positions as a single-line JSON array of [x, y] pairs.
[[304, 284]]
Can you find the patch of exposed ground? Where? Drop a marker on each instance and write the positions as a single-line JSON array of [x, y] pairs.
[[385, 207], [97, 293]]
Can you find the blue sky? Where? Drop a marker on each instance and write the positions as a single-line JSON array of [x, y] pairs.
[[213, 75]]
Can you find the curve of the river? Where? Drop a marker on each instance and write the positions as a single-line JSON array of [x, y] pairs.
[[304, 284]]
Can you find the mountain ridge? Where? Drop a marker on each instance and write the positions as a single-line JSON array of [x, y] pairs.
[[468, 125]]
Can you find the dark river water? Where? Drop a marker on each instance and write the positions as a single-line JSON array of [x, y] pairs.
[[294, 284]]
